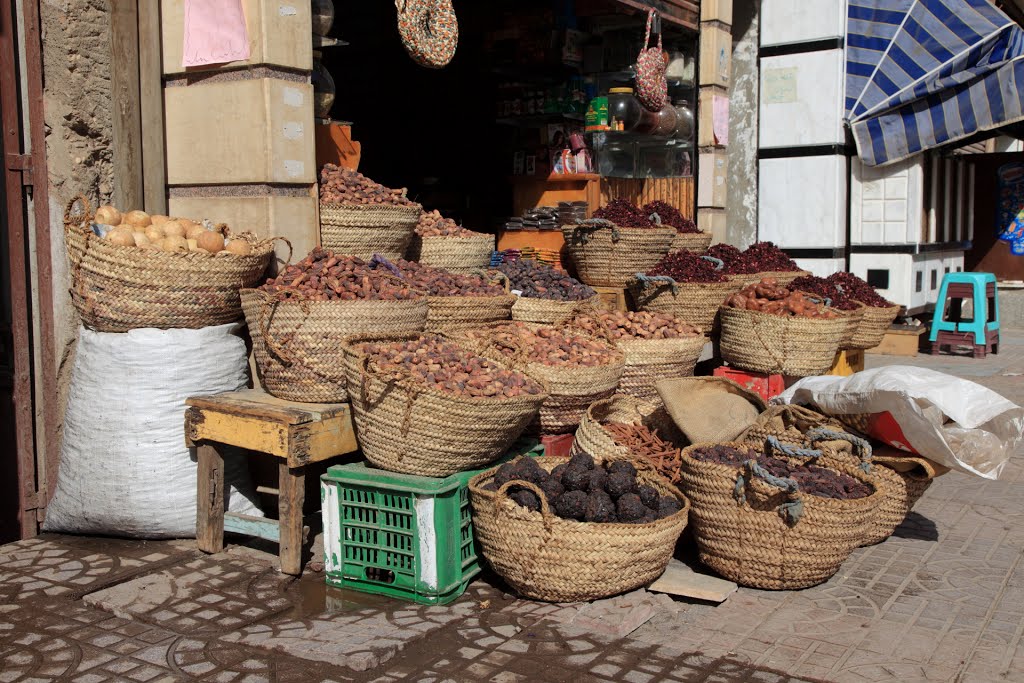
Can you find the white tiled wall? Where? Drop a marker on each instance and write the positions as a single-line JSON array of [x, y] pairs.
[[900, 267], [886, 204], [802, 100], [802, 201], [798, 21]]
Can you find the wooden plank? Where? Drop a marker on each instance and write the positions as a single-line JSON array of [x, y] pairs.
[[675, 191], [126, 149], [260, 404], [681, 579], [611, 298], [252, 433], [319, 441], [210, 499], [292, 485], [247, 525], [151, 100]]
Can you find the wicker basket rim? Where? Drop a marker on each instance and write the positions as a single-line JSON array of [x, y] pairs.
[[262, 247], [415, 208]]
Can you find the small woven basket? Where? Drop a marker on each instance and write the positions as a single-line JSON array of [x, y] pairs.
[[745, 527], [697, 242], [592, 438], [296, 342], [449, 313], [549, 312], [117, 289], [694, 302], [651, 360], [795, 346], [455, 254], [606, 255], [873, 328], [404, 426], [545, 557], [783, 277], [363, 231]]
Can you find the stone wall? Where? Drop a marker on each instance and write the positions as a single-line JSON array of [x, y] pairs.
[[741, 211]]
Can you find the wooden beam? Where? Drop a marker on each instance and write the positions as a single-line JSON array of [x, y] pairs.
[[124, 77], [151, 100]]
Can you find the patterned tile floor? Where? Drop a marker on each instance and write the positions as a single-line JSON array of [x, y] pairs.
[[942, 600]]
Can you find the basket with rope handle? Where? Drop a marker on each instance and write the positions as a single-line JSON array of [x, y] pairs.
[[694, 302], [405, 426], [119, 288], [545, 557], [763, 531], [608, 255], [789, 345], [295, 341]]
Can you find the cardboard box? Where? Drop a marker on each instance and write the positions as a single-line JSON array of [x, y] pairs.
[[249, 131], [716, 10]]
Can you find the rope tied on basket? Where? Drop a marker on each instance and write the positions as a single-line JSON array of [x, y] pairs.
[[719, 263], [772, 444], [655, 218], [429, 30], [580, 235], [860, 446], [655, 279], [790, 511], [383, 262], [820, 300]]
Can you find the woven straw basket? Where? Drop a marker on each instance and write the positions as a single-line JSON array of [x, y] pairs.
[[783, 277], [448, 313], [874, 326], [746, 539], [455, 254], [652, 360], [545, 557], [795, 346], [548, 312], [695, 302], [571, 390], [853, 320], [697, 242], [790, 424], [403, 426], [117, 289], [363, 231], [592, 438], [296, 342], [606, 255]]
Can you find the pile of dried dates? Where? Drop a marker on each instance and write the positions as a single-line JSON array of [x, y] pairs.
[[344, 186], [433, 224], [325, 276], [635, 325], [537, 281], [545, 345]]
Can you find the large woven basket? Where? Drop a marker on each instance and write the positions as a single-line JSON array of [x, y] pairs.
[[742, 533], [651, 360], [592, 438], [296, 342], [783, 277], [695, 302], [545, 557], [549, 312], [606, 255], [571, 390], [697, 242], [455, 254], [876, 323], [795, 346], [117, 289], [363, 231], [403, 426], [448, 313], [854, 319]]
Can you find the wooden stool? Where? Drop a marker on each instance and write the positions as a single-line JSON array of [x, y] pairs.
[[297, 433]]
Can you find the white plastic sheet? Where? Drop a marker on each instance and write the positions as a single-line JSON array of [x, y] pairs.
[[124, 466], [950, 420]]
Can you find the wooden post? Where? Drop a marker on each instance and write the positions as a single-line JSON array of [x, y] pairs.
[[154, 166], [210, 499], [292, 487], [124, 81]]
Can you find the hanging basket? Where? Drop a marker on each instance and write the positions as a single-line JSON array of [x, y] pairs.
[[773, 344], [117, 288], [606, 255], [545, 557], [365, 230]]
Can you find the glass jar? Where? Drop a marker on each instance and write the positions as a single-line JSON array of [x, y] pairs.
[[624, 109], [667, 119], [323, 16], [684, 121]]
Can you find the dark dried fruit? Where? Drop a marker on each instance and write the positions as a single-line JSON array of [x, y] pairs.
[[858, 290], [649, 496], [600, 508], [622, 467], [576, 478], [344, 186], [598, 480], [571, 505], [621, 483], [629, 507], [582, 459], [552, 488], [527, 499], [668, 505], [537, 281]]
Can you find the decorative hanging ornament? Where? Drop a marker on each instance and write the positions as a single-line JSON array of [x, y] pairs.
[[651, 85], [429, 31]]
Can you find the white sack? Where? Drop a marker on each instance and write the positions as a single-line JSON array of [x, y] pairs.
[[124, 467], [950, 420]]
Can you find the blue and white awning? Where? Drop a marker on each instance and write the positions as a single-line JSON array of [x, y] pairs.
[[924, 73]]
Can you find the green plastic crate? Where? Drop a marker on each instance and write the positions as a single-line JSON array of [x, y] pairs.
[[400, 535]]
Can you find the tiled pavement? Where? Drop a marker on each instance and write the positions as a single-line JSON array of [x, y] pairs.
[[942, 600]]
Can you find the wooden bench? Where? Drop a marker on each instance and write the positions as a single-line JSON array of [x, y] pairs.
[[297, 433]]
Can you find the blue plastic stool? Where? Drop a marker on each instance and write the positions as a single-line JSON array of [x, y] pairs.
[[981, 331]]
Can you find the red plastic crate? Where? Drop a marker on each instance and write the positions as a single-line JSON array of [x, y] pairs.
[[765, 385], [557, 445]]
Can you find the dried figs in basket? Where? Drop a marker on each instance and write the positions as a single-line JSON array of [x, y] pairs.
[[326, 276], [344, 186], [636, 325], [546, 345]]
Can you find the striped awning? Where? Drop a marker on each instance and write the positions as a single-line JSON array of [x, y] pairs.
[[925, 73]]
